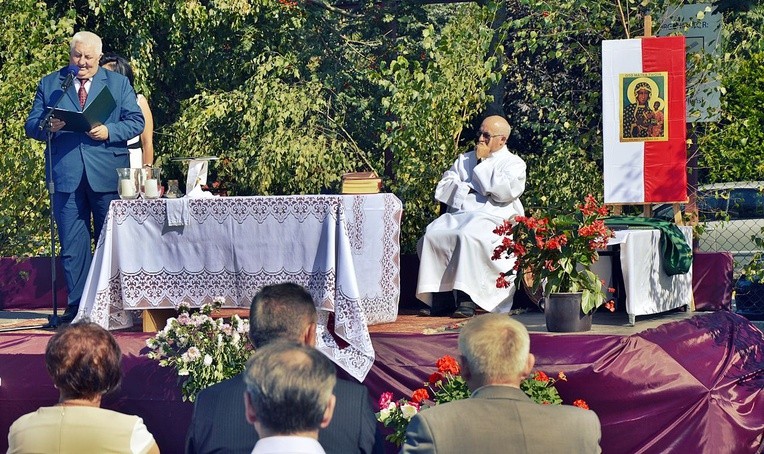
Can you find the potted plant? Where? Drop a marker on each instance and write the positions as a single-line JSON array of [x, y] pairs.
[[556, 252]]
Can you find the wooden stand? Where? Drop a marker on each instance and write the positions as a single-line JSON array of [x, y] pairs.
[[155, 319]]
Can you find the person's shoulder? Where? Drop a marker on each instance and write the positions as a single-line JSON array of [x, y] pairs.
[[569, 412], [349, 386], [228, 386], [111, 77]]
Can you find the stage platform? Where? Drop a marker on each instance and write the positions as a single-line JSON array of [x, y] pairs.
[[674, 382]]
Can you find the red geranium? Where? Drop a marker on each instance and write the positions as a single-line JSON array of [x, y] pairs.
[[449, 365], [556, 250]]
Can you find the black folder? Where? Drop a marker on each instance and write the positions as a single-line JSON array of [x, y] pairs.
[[94, 114]]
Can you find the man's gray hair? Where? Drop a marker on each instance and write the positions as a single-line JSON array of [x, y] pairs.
[[289, 385], [495, 346], [87, 38]]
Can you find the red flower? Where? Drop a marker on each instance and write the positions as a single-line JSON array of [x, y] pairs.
[[448, 365], [610, 305], [561, 376], [435, 377], [541, 376], [580, 403], [420, 395]]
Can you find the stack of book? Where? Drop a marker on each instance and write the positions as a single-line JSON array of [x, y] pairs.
[[361, 183]]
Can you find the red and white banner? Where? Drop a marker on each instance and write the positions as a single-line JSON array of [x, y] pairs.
[[644, 120]]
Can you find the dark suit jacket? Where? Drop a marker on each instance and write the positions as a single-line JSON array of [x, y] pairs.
[[74, 154], [219, 425], [502, 420]]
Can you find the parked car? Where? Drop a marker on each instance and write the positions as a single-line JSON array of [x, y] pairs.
[[730, 214]]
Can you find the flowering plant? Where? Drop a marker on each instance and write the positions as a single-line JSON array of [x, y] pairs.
[[557, 251], [446, 385], [203, 350]]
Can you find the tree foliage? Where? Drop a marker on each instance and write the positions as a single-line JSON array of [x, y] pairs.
[[291, 94], [431, 98], [34, 43]]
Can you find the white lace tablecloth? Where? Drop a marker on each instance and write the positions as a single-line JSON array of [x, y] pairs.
[[343, 248]]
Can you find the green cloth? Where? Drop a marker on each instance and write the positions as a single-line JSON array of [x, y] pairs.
[[676, 253]]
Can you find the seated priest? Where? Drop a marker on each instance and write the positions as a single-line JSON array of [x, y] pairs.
[[482, 189]]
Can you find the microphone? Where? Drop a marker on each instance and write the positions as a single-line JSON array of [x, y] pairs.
[[71, 71]]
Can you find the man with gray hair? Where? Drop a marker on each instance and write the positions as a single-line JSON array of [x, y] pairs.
[[280, 312], [495, 358], [81, 165], [289, 397]]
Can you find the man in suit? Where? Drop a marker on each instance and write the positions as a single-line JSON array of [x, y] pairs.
[[499, 417], [289, 397], [82, 167], [280, 312]]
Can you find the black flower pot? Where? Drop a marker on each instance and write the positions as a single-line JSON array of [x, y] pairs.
[[563, 314]]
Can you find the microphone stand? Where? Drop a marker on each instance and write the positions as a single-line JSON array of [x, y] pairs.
[[53, 320]]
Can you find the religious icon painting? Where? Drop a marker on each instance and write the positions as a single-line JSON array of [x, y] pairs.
[[644, 111]]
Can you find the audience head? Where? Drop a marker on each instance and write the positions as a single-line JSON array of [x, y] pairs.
[[85, 51], [289, 389], [84, 361], [118, 64], [282, 311], [494, 132], [495, 349]]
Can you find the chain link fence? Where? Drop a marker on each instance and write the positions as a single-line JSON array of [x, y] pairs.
[[731, 218]]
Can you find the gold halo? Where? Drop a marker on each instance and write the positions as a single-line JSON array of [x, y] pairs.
[[648, 81]]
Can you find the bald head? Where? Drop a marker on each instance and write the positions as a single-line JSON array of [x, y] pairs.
[[494, 132]]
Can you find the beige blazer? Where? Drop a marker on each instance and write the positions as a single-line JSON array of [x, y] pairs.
[[502, 420]]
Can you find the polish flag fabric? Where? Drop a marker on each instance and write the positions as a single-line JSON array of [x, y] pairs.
[[644, 120]]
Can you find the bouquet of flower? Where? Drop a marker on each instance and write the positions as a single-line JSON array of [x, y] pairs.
[[557, 251], [203, 350], [396, 414], [446, 385]]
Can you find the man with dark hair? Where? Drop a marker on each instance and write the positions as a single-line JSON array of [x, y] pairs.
[[280, 312], [289, 397]]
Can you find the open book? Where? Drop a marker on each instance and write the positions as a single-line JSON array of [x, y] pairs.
[[94, 114]]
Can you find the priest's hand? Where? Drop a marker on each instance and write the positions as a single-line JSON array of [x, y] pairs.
[[482, 151]]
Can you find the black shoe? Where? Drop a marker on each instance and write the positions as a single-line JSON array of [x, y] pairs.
[[466, 309], [443, 305], [69, 314]]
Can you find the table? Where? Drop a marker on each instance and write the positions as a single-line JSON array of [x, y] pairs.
[[343, 248], [649, 290]]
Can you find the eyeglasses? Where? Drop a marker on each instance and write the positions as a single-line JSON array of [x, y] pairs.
[[487, 135]]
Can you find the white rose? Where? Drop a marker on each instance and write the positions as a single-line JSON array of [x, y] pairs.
[[408, 410], [207, 360], [383, 415]]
